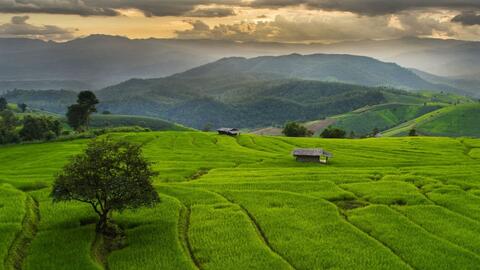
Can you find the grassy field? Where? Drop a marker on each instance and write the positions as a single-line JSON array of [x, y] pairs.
[[244, 203], [460, 120]]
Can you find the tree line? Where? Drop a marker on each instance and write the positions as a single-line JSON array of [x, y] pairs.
[[19, 124]]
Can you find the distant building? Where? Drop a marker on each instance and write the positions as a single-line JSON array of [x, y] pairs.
[[228, 131], [312, 155]]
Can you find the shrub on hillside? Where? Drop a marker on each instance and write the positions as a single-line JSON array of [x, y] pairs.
[[8, 123], [332, 132], [40, 128], [293, 129]]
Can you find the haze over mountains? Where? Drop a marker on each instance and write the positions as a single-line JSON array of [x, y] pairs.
[[99, 61], [253, 92]]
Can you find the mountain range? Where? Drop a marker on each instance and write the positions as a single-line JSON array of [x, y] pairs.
[[99, 61], [253, 92]]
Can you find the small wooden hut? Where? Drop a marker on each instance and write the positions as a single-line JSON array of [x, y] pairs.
[[312, 155], [228, 131]]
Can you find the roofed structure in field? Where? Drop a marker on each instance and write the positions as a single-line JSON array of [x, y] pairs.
[[312, 155], [228, 131]]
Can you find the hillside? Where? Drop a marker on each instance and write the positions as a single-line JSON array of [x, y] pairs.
[[245, 203], [98, 121], [382, 117], [460, 120], [323, 67], [101, 60], [255, 92], [247, 104], [468, 87], [264, 90], [156, 124]]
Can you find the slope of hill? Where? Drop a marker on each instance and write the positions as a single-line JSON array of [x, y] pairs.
[[248, 196], [264, 90], [252, 92], [156, 124], [469, 87], [108, 120], [104, 60], [460, 120], [381, 117], [323, 67]]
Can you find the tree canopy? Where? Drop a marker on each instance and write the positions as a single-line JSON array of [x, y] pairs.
[[333, 132], [110, 176], [78, 114], [3, 104], [293, 129]]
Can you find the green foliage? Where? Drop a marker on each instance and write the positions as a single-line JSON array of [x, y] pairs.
[[293, 129], [78, 115], [22, 107], [3, 104], [110, 176], [332, 132], [40, 128], [8, 123]]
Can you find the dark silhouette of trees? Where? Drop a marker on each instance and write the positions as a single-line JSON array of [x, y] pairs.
[[293, 129], [78, 115], [3, 104], [22, 107], [40, 128], [332, 132]]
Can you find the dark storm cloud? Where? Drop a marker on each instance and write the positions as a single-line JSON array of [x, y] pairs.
[[19, 27], [371, 7], [109, 8], [184, 7], [467, 18]]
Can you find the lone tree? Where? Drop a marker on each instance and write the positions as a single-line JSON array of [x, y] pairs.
[[412, 132], [22, 107], [3, 104], [110, 176], [78, 115], [293, 129]]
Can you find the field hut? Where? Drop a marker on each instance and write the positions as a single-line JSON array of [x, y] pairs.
[[312, 155], [228, 131]]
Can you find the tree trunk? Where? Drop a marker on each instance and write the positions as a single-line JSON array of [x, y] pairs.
[[102, 224]]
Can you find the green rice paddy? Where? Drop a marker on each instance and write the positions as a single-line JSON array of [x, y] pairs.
[[245, 203]]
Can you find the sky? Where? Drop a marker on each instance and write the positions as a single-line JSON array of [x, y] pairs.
[[288, 21]]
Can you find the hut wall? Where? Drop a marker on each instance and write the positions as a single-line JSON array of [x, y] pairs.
[[308, 159]]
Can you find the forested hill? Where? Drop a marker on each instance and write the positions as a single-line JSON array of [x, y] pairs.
[[253, 103], [324, 67], [250, 93]]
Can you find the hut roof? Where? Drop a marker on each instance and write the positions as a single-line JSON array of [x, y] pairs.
[[312, 152]]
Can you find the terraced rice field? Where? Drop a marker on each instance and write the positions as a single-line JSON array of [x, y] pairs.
[[244, 203]]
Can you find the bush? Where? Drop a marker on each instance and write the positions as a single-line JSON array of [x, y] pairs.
[[40, 128], [50, 135], [293, 129], [332, 132]]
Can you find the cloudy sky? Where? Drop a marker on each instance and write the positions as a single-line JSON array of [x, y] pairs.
[[302, 21]]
